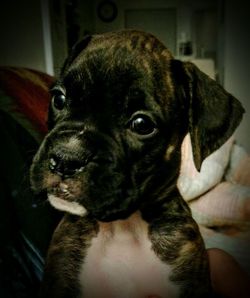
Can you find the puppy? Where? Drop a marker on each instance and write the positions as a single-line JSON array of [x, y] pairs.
[[119, 112]]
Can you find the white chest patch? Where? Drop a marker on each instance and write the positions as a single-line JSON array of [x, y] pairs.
[[121, 264]]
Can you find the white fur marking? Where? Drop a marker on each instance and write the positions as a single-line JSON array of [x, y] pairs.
[[63, 205], [120, 263]]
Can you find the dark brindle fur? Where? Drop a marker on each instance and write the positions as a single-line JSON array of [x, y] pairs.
[[113, 170]]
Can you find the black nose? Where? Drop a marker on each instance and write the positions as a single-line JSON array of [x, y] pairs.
[[65, 166]]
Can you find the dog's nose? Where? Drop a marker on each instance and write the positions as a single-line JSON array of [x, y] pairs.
[[65, 166]]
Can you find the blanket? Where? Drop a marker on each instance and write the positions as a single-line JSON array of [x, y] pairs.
[[219, 197]]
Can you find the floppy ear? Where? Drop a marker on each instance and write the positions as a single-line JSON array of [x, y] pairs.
[[214, 114]]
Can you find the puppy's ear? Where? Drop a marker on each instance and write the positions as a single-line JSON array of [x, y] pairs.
[[214, 114], [75, 51]]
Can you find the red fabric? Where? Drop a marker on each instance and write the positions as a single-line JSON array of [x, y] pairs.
[[28, 90]]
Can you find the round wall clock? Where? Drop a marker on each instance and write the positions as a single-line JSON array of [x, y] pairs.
[[107, 11]]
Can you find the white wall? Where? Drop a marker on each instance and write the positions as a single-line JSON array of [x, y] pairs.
[[21, 34], [237, 60]]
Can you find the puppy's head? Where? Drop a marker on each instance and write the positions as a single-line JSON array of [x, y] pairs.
[[118, 115]]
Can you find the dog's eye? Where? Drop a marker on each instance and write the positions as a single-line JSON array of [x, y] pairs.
[[143, 125], [59, 101]]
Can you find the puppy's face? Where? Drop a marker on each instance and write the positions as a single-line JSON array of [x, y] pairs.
[[118, 115]]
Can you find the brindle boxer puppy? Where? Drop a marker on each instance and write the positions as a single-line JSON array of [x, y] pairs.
[[118, 116]]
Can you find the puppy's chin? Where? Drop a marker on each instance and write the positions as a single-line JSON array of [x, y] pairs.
[[75, 208], [63, 205]]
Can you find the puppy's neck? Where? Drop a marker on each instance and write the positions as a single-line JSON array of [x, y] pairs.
[[129, 229]]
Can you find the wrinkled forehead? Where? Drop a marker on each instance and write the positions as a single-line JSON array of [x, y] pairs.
[[128, 45], [114, 59], [103, 70]]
